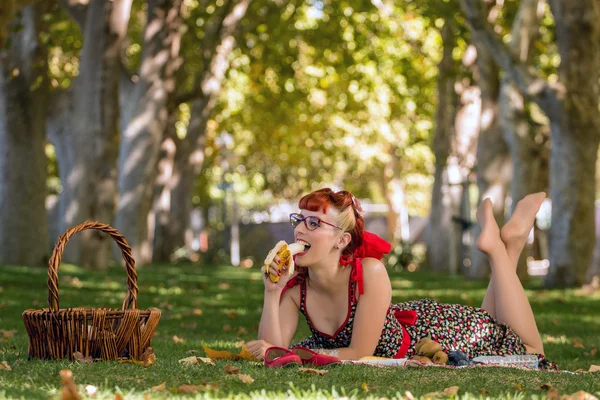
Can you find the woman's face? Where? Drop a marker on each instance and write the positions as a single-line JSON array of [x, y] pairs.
[[321, 240]]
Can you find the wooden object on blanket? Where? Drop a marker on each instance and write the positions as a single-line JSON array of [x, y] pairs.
[[100, 333]]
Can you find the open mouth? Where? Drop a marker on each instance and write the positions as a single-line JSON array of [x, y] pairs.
[[306, 247]]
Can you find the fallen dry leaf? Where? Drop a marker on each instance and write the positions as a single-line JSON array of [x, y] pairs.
[[148, 357], [553, 394], [519, 387], [364, 386], [197, 312], [484, 391], [241, 330], [4, 365], [69, 390], [452, 390], [594, 368], [119, 396], [226, 328], [189, 388], [313, 371], [8, 334], [160, 388], [177, 339], [578, 344], [232, 314], [244, 354], [192, 351], [545, 386], [193, 360], [81, 359], [592, 352], [245, 378], [224, 285], [230, 369]]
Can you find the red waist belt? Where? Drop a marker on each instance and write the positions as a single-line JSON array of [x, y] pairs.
[[405, 317]]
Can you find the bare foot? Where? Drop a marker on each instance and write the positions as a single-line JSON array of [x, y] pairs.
[[514, 233], [489, 238]]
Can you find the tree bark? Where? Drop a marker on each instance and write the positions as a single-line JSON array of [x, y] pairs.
[[146, 120], [444, 236], [8, 10], [575, 128], [23, 99], [575, 139], [89, 190]]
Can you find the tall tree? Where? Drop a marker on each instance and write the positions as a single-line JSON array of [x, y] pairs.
[[444, 238], [575, 127], [88, 161], [493, 159], [23, 101], [173, 205], [145, 117]]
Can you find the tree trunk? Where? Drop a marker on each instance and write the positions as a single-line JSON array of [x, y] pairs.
[[493, 160], [146, 120], [393, 187], [23, 100], [528, 153], [174, 202], [89, 190], [575, 127], [59, 132], [174, 205], [575, 138], [443, 234], [8, 10]]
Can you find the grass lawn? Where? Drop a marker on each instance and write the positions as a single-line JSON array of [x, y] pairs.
[[220, 306]]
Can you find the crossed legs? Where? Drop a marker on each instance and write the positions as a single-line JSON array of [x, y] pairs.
[[505, 298]]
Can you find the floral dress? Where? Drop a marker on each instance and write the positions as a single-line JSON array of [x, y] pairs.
[[469, 329]]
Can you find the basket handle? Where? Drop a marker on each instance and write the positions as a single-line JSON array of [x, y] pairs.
[[53, 297]]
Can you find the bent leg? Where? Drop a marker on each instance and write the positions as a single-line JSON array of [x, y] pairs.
[[514, 235], [510, 303]]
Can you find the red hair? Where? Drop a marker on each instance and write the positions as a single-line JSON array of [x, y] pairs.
[[349, 208]]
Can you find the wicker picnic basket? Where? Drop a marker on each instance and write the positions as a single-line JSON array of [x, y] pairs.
[[100, 333]]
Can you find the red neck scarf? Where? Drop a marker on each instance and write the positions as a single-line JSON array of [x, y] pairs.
[[372, 246]]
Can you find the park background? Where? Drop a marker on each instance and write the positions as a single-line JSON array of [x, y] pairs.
[[194, 126]]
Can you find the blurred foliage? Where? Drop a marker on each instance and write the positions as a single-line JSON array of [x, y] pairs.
[[322, 93], [319, 93], [405, 256]]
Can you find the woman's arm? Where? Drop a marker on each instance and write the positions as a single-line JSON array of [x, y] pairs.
[[371, 311], [279, 318]]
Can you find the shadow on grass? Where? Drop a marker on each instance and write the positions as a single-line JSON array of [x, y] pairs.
[[221, 306]]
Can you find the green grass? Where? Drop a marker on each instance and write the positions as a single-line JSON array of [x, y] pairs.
[[230, 300]]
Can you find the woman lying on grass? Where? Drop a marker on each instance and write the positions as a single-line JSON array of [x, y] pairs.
[[344, 291]]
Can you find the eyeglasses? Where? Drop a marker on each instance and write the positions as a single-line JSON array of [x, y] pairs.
[[311, 222]]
